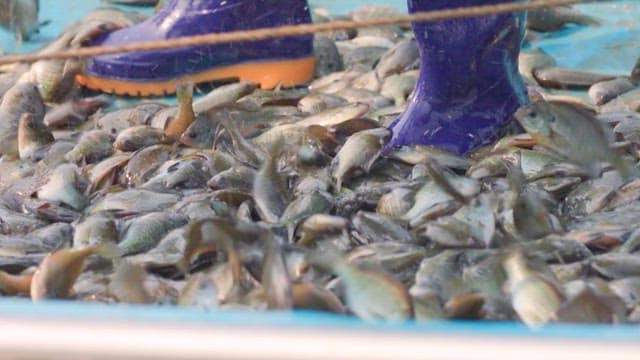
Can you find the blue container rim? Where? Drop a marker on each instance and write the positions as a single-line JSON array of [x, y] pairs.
[[75, 311]]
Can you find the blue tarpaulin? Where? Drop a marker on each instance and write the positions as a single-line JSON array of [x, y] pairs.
[[611, 48]]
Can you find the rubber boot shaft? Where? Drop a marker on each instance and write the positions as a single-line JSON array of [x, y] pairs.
[[469, 85]]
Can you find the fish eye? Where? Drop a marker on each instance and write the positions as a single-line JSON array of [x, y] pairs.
[[192, 135], [532, 113]]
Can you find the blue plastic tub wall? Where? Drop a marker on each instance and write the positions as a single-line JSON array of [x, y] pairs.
[[611, 48]]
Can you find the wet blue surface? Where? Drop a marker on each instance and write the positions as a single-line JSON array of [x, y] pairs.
[[64, 12], [132, 313], [611, 48]]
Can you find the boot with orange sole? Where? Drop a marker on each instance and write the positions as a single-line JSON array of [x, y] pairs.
[[285, 61]]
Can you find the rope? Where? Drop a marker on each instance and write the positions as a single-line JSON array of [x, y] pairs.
[[292, 30]]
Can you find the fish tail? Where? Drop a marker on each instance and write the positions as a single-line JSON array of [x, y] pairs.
[[15, 284], [291, 232], [437, 174], [184, 93], [185, 116]]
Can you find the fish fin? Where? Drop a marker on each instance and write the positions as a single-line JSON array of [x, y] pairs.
[[291, 232], [184, 92], [437, 174], [515, 175]]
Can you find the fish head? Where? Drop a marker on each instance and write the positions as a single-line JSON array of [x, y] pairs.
[[536, 120], [199, 134]]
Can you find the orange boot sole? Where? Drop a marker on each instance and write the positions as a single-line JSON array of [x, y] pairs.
[[268, 75]]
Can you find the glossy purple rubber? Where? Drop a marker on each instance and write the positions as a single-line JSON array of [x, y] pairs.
[[469, 85], [180, 18]]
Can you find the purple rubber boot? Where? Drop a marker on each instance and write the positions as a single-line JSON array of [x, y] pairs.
[[288, 61], [469, 85]]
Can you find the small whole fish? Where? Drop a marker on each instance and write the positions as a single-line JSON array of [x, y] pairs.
[[358, 154], [137, 137], [335, 115], [222, 96], [565, 128], [74, 112], [563, 78], [20, 17], [143, 233], [275, 277], [531, 217], [185, 115], [554, 19], [398, 58], [315, 103], [32, 136], [95, 231], [124, 118], [535, 299], [92, 146], [62, 187], [132, 200], [144, 162], [328, 60], [21, 98], [398, 87], [318, 224], [370, 294], [605, 91], [54, 78], [59, 270], [269, 189], [200, 133]]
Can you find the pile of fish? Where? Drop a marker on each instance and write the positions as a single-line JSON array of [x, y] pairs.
[[251, 199]]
